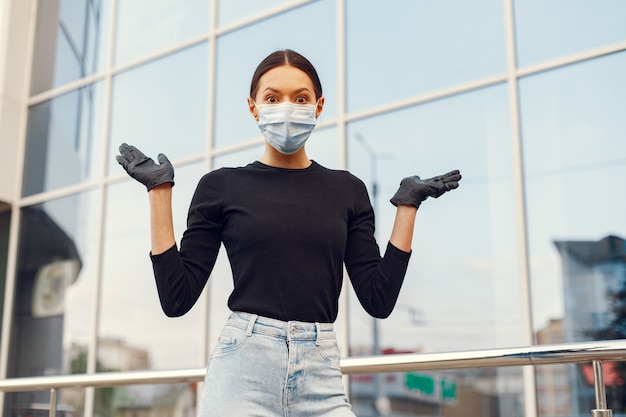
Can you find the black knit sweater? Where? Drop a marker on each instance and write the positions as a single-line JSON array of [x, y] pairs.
[[288, 234]]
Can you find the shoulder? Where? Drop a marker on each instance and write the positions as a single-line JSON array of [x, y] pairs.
[[220, 174], [340, 175]]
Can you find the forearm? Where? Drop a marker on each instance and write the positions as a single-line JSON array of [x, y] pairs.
[[402, 232], [161, 223]]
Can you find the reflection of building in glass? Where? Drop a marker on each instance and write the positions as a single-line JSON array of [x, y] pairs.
[[117, 355], [553, 393], [469, 392], [528, 107], [429, 393], [49, 264], [592, 272]]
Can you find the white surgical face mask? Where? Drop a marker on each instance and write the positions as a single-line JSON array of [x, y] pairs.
[[286, 126]]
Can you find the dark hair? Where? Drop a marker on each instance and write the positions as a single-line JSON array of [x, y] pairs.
[[285, 57]]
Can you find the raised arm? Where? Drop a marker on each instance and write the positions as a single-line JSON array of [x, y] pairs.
[[159, 180], [161, 223]]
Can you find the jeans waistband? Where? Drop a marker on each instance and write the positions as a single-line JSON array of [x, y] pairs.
[[291, 330]]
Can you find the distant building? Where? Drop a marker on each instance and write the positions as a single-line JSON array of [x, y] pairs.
[[592, 271], [117, 355], [553, 392]]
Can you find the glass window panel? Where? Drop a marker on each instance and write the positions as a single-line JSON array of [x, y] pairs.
[[233, 122], [575, 159], [147, 26], [470, 392], [323, 147], [461, 291], [55, 291], [62, 140], [552, 29], [430, 45], [134, 331], [483, 270], [230, 11], [70, 41], [161, 107]]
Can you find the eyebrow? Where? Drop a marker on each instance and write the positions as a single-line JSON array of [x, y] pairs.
[[273, 90]]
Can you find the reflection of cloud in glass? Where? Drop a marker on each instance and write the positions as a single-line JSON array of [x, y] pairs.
[[428, 46], [575, 155], [162, 106], [130, 308], [148, 26], [551, 29], [468, 227], [231, 11]]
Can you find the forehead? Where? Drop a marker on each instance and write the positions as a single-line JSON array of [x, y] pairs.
[[285, 78]]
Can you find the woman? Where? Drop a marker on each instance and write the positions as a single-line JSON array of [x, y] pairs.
[[289, 226]]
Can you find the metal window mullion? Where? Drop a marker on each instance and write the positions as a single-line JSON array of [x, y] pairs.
[[92, 349], [576, 58], [343, 319], [428, 97], [65, 88], [219, 31], [205, 326], [528, 372]]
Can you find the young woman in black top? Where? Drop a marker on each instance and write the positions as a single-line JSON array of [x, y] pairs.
[[289, 225]]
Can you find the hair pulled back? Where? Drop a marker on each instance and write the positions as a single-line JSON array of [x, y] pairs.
[[290, 58]]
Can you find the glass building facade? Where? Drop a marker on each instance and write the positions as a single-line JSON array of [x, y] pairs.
[[526, 98]]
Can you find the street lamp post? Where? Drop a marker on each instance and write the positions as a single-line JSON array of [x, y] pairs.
[[381, 401]]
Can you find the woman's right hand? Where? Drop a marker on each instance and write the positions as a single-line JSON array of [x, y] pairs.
[[143, 168]]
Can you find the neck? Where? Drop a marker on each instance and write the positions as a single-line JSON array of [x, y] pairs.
[[272, 157]]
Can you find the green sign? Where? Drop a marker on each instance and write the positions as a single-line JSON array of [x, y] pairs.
[[422, 383], [448, 390], [437, 388]]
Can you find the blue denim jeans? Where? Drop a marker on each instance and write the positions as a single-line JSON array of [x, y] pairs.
[[263, 367]]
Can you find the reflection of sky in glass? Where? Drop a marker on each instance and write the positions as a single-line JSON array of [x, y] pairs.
[[78, 44], [161, 106], [231, 11], [552, 29], [463, 272], [83, 216], [240, 52], [148, 26], [130, 309], [575, 159], [429, 45], [463, 277], [63, 136]]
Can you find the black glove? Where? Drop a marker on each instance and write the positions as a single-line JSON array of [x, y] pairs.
[[413, 190], [143, 169]]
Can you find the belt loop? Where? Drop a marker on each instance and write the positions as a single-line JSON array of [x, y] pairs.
[[251, 324], [318, 331]]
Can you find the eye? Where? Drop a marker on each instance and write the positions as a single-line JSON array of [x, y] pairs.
[[302, 99], [271, 99]]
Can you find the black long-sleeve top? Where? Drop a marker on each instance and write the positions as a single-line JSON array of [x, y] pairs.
[[288, 234]]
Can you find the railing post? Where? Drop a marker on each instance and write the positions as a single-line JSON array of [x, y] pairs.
[[601, 409], [53, 402]]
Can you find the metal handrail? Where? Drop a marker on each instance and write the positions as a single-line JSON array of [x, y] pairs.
[[595, 352]]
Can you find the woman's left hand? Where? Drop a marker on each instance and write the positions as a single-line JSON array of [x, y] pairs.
[[413, 190]]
